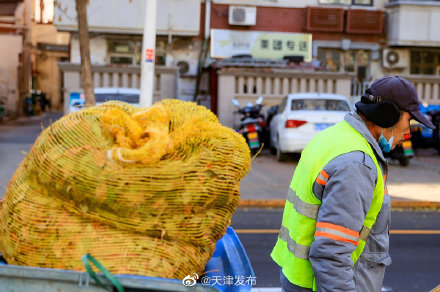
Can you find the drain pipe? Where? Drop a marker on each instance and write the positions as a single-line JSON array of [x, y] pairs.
[[203, 52], [207, 19]]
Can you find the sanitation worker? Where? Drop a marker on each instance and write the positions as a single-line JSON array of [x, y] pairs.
[[335, 229]]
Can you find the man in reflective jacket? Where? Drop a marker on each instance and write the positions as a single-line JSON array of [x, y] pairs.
[[335, 229]]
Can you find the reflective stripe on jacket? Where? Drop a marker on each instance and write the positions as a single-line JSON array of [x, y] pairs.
[[301, 224]]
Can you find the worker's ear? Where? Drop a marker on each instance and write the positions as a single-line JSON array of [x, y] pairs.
[[383, 113]]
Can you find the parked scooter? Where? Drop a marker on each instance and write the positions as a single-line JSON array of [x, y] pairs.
[[35, 103], [402, 152], [252, 124], [422, 136]]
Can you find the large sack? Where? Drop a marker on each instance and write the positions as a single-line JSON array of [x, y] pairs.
[[146, 191]]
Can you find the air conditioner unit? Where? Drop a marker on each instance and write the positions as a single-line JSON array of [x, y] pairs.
[[242, 15], [395, 58], [187, 67]]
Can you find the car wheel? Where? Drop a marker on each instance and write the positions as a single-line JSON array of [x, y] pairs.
[[273, 150], [280, 155], [437, 136]]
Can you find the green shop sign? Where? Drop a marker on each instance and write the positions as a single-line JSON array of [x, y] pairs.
[[260, 44]]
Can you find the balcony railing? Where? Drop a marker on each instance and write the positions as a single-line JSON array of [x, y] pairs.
[[127, 76], [428, 87], [247, 84]]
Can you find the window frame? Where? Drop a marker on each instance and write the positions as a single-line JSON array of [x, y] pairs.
[[352, 3], [283, 105], [324, 104], [422, 65], [135, 55]]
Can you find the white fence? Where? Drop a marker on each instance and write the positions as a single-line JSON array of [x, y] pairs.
[[428, 87], [129, 76], [247, 84]]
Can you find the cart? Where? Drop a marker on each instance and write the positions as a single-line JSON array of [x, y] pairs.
[[229, 269]]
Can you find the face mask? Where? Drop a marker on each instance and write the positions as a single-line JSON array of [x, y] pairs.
[[384, 144]]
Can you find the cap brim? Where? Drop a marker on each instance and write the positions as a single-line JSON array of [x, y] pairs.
[[418, 116]]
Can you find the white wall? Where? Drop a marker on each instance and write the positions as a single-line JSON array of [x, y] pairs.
[[378, 4], [178, 17], [98, 50], [10, 48], [402, 19], [47, 33]]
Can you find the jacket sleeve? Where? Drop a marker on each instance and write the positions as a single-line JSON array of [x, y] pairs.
[[348, 183]]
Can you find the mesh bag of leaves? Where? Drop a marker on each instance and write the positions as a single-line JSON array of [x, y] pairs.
[[147, 191]]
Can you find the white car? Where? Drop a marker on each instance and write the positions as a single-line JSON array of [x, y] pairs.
[[300, 117], [103, 94], [129, 95]]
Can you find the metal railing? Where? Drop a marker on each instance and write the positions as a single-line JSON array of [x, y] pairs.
[[127, 76], [428, 87]]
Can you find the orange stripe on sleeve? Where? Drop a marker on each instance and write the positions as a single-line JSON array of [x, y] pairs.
[[324, 174], [337, 228], [335, 237], [320, 181]]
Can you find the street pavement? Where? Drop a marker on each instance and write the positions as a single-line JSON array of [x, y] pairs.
[[16, 138], [414, 244], [267, 180], [415, 255]]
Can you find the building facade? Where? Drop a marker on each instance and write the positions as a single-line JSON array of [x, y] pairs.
[[354, 40], [49, 48], [116, 29], [15, 53]]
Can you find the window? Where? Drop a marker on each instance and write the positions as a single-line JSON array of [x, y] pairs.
[[352, 61], [121, 60], [44, 11], [330, 59], [126, 52], [282, 105], [348, 2], [425, 62], [319, 104], [129, 98], [129, 51]]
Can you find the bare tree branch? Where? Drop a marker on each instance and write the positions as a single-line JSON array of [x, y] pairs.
[[84, 48]]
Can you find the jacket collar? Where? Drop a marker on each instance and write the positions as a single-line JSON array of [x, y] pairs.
[[359, 125]]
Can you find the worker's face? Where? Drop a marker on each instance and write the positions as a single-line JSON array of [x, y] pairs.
[[401, 129]]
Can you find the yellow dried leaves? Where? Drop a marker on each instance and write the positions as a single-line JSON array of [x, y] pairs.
[[146, 191], [140, 137]]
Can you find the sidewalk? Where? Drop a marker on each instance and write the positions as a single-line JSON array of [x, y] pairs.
[[16, 138], [266, 184], [415, 186]]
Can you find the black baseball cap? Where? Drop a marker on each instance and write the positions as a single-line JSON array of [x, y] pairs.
[[400, 92]]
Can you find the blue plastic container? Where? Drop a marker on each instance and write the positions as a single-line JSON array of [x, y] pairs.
[[229, 269], [229, 260]]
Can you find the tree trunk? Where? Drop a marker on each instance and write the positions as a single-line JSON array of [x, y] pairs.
[[84, 48]]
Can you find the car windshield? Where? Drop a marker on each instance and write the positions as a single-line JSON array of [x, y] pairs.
[[130, 98], [320, 105]]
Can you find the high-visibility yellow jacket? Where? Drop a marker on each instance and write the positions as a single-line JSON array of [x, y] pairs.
[[299, 225]]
